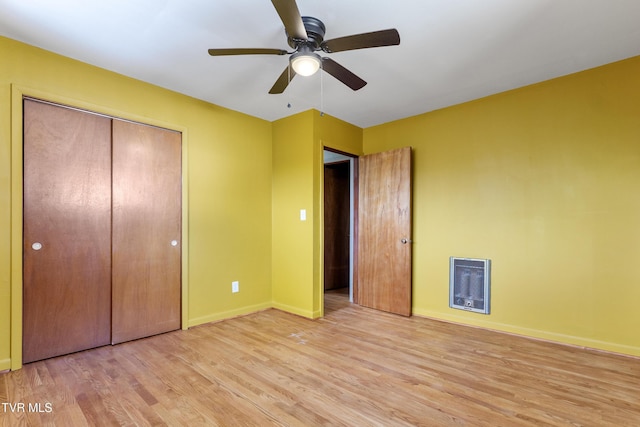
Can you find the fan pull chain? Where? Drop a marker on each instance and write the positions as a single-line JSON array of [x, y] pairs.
[[289, 81], [322, 93]]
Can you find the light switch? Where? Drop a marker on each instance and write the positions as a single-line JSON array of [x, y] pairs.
[[303, 214]]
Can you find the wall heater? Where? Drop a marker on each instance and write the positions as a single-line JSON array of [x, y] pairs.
[[469, 280]]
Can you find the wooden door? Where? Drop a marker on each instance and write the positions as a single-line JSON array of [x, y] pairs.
[[146, 231], [384, 231], [336, 225], [67, 231]]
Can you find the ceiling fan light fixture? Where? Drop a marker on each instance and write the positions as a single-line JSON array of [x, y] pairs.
[[305, 63]]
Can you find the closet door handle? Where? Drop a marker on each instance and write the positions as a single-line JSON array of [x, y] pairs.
[[174, 243], [36, 246]]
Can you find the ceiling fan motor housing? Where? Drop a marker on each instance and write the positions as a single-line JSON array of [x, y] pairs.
[[315, 33]]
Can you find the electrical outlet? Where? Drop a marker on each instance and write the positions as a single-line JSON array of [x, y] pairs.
[[235, 286]]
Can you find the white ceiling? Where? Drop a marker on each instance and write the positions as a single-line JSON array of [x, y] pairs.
[[451, 51]]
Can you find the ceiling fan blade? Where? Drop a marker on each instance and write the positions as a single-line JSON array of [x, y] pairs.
[[283, 81], [290, 16], [248, 51], [362, 41], [342, 74]]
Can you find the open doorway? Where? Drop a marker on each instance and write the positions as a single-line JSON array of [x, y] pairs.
[[379, 230], [339, 223]]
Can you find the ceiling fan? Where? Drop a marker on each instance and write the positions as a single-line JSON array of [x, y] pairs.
[[305, 35]]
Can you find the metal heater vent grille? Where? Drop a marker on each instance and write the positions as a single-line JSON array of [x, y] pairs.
[[469, 284]]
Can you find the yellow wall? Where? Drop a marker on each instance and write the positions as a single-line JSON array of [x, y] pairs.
[[292, 251], [544, 181], [298, 143], [227, 174]]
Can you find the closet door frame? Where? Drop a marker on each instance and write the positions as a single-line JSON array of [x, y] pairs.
[[18, 93]]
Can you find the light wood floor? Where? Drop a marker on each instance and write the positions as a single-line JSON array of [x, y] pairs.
[[354, 367]]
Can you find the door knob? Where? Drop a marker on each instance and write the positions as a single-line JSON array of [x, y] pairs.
[[174, 243], [405, 241], [36, 246]]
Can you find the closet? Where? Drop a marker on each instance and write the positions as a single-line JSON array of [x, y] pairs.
[[101, 230]]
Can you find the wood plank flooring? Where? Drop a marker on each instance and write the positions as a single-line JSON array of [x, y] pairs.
[[354, 367]]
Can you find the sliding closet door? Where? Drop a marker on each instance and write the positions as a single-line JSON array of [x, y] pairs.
[[67, 231], [146, 230]]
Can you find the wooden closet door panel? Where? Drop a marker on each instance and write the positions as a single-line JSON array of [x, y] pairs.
[[67, 210], [146, 231]]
